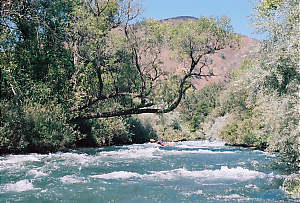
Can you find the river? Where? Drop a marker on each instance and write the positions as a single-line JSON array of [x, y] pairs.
[[190, 171]]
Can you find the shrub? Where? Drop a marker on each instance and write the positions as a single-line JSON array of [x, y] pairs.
[[109, 131], [292, 185], [33, 127], [141, 131]]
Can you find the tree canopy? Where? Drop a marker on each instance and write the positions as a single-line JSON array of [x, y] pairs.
[[86, 53]]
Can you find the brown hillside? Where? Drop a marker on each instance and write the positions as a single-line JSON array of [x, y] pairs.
[[224, 61]]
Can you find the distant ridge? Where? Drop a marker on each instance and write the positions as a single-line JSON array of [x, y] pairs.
[[183, 18], [178, 19]]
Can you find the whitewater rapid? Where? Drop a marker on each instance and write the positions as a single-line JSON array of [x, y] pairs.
[[192, 171]]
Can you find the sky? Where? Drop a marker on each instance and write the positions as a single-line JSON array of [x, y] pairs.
[[237, 10]]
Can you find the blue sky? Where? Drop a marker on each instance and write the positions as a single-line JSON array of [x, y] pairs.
[[237, 10]]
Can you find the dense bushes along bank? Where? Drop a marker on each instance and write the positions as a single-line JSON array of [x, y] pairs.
[[33, 127]]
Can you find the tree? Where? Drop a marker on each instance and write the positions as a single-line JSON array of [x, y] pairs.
[[34, 54], [132, 72], [280, 65], [115, 67], [265, 113], [268, 113], [84, 59], [280, 21]]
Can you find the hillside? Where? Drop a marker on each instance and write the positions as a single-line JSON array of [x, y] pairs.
[[224, 61]]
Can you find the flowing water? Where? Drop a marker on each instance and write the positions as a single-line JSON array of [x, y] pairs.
[[191, 171]]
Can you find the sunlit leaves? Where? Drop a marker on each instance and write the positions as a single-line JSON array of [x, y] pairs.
[[268, 90], [270, 4]]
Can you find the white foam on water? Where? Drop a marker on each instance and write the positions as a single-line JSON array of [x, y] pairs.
[[71, 179], [198, 192], [118, 175], [74, 158], [162, 175], [177, 152], [199, 151], [131, 153], [13, 164], [17, 161], [252, 186], [233, 196], [197, 144], [237, 174], [20, 186], [202, 151], [239, 198], [37, 173], [191, 147]]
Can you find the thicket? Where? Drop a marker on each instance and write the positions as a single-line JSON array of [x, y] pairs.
[[267, 90], [198, 105]]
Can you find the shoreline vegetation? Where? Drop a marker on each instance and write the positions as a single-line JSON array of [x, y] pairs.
[[82, 74]]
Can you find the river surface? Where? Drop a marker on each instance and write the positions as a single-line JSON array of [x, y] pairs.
[[191, 171]]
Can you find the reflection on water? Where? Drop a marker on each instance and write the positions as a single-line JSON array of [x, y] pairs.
[[191, 171]]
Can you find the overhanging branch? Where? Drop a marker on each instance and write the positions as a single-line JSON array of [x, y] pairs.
[[114, 114], [93, 100]]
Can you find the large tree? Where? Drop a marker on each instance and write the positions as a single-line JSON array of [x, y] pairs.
[[129, 75], [94, 59], [65, 61]]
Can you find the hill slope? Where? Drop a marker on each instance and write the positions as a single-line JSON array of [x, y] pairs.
[[224, 61]]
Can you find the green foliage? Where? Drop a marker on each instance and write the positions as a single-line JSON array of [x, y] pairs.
[[141, 131], [263, 100], [261, 117], [65, 59], [270, 4], [292, 185], [110, 131], [169, 126], [33, 127], [243, 132], [197, 105], [114, 131]]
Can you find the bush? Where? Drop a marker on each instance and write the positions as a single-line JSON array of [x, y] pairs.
[[169, 126], [243, 132], [115, 131], [141, 131], [292, 185], [110, 131], [33, 127]]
